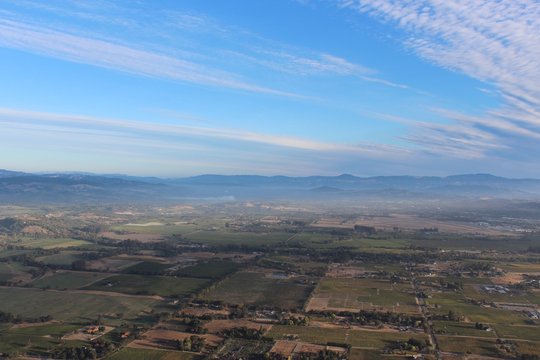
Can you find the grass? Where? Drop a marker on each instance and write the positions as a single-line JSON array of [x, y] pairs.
[[149, 285], [68, 306], [67, 280], [213, 269], [148, 354], [255, 288]]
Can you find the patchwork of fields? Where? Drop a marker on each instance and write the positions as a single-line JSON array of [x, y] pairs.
[[264, 287]]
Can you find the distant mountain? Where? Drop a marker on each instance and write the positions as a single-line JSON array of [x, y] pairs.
[[8, 173], [62, 188]]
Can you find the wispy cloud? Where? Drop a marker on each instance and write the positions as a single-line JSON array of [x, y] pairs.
[[127, 126], [202, 149], [167, 48], [497, 42], [119, 57]]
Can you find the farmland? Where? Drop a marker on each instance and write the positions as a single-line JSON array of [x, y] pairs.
[[148, 285], [66, 280], [256, 288], [156, 285]]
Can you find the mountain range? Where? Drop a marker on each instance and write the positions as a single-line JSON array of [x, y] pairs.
[[63, 188]]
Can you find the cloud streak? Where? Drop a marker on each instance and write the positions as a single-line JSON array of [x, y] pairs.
[[89, 123], [119, 57], [497, 42]]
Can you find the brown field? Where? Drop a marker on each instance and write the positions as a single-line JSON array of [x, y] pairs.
[[341, 271], [508, 278], [153, 339], [216, 326], [288, 348], [337, 223], [411, 222], [317, 303], [202, 311], [110, 264], [30, 325], [34, 229]]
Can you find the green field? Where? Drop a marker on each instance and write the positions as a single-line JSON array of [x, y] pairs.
[[10, 270], [12, 252], [54, 330], [255, 288], [460, 329], [519, 332], [444, 302], [356, 338], [24, 343], [363, 354], [149, 285], [237, 238], [213, 269], [157, 229], [68, 306], [463, 345], [147, 268], [67, 280], [62, 258]]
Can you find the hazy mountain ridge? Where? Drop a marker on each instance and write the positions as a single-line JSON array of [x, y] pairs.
[[19, 187]]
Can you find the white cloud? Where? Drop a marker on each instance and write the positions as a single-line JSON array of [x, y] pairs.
[[119, 57], [89, 124], [497, 42]]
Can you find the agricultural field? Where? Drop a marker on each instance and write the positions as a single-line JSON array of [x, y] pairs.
[[65, 258], [213, 269], [71, 306], [67, 280], [352, 294], [238, 238], [147, 268], [50, 243], [14, 272], [257, 288], [149, 285], [148, 354], [469, 345], [442, 303]]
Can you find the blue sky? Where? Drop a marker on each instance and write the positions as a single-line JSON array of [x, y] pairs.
[[294, 87]]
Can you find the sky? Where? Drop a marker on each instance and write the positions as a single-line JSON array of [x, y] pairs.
[[291, 87]]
